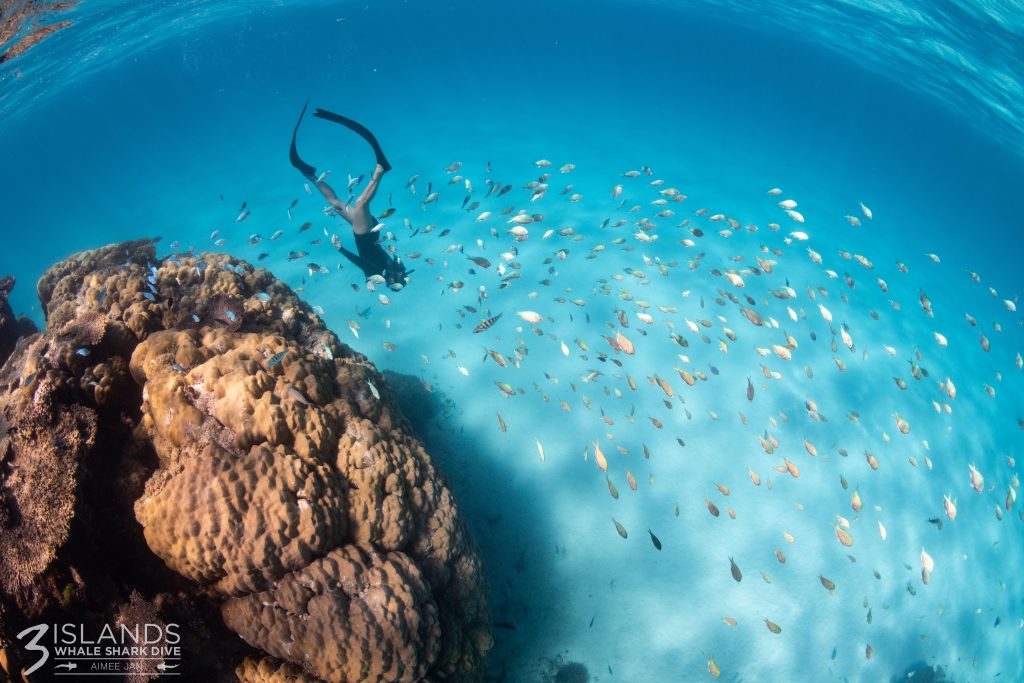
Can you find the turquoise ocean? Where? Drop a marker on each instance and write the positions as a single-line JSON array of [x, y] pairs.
[[163, 118]]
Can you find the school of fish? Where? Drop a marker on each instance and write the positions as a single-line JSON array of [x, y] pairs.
[[790, 314]]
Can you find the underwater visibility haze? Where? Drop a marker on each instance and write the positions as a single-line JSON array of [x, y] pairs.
[[712, 333]]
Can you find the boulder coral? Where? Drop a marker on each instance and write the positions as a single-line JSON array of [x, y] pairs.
[[256, 475]]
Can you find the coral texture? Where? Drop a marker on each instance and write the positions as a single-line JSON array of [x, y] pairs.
[[270, 670], [264, 461], [372, 616], [11, 327], [42, 440]]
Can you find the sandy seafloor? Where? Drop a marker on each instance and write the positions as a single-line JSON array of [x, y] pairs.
[[147, 145]]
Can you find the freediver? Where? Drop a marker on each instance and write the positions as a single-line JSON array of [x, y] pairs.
[[370, 257]]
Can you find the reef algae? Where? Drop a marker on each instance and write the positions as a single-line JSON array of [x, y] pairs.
[[193, 409]]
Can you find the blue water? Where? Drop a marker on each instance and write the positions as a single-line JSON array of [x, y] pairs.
[[134, 123]]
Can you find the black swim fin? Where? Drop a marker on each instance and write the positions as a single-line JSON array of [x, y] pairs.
[[360, 130], [303, 168]]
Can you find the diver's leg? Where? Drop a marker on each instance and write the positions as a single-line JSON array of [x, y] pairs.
[[370, 191], [361, 130], [332, 198], [342, 209], [303, 168], [361, 218]]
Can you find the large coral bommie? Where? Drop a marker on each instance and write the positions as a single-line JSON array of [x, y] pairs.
[[188, 441]]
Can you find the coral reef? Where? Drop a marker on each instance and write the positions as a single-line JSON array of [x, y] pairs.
[[11, 328], [270, 670], [920, 672], [21, 28], [573, 672], [373, 614], [558, 670], [43, 440], [254, 474]]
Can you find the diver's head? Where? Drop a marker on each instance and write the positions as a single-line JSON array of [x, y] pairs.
[[395, 275]]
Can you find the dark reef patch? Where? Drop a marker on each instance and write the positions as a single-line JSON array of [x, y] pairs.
[[187, 443], [560, 671], [12, 328], [919, 672], [574, 672]]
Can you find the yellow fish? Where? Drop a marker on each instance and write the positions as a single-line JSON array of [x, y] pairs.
[[713, 668]]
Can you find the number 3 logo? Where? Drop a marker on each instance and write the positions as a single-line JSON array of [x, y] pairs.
[[34, 645]]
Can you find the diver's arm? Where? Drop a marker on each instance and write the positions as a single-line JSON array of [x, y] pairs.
[[354, 258]]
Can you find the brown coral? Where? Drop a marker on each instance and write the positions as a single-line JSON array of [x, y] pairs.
[[142, 617], [284, 480], [12, 328], [270, 670], [42, 440], [353, 615]]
